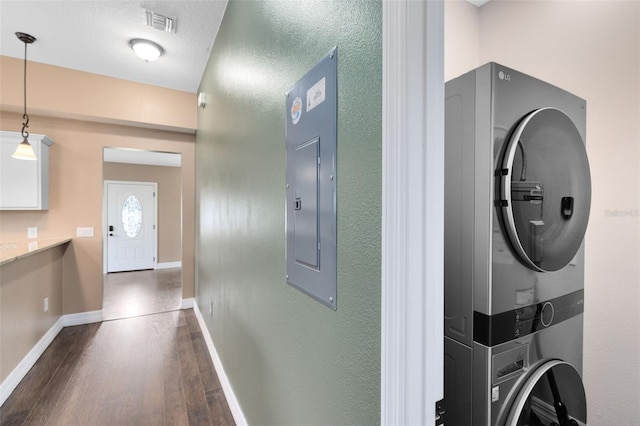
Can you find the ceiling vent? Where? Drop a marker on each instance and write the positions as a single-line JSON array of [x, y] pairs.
[[160, 22]]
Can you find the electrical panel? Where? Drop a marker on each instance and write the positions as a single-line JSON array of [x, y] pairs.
[[311, 133]]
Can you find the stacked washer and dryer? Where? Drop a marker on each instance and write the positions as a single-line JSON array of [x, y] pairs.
[[517, 201]]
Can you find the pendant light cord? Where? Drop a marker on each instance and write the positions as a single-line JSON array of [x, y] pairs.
[[25, 125]]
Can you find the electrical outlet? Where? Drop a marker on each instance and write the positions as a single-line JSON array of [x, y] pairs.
[[32, 232], [45, 305], [84, 232]]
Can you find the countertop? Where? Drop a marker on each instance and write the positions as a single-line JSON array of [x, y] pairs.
[[11, 251]]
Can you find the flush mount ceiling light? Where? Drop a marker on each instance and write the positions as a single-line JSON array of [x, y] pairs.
[[24, 151], [146, 49]]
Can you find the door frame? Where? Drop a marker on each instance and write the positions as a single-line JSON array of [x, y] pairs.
[[105, 219], [412, 311]]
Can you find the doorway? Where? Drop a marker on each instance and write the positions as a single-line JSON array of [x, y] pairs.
[[142, 232], [131, 225]]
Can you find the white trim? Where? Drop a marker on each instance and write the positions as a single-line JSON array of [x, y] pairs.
[[105, 219], [232, 401], [189, 303], [81, 318], [141, 156], [412, 211], [15, 377], [169, 265]]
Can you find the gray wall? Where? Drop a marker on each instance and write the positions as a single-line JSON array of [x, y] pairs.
[[290, 360]]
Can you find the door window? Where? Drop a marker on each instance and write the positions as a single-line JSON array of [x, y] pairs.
[[132, 216], [553, 395], [545, 190]]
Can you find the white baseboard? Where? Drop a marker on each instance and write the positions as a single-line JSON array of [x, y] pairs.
[[188, 303], [21, 370], [15, 377], [81, 318], [234, 406], [169, 265]]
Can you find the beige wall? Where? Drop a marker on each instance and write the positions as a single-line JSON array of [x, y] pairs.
[[591, 49], [65, 93], [461, 38], [76, 161], [24, 284], [169, 206]]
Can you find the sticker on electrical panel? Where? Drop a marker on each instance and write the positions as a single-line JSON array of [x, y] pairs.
[[316, 95], [296, 110]]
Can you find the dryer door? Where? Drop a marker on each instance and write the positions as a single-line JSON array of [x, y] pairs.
[[552, 395], [545, 190]]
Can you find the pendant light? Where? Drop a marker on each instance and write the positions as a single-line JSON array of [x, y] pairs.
[[24, 151]]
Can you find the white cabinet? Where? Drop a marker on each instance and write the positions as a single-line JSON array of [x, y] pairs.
[[24, 185]]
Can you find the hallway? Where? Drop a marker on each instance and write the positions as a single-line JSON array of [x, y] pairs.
[[152, 369], [130, 294]]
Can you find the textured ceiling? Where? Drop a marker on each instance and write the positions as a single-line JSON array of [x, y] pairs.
[[93, 36]]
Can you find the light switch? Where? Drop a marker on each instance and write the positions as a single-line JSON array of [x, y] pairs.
[[84, 232]]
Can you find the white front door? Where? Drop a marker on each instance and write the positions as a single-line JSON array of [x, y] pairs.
[[131, 233]]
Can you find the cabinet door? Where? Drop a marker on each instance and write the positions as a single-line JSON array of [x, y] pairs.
[[24, 185]]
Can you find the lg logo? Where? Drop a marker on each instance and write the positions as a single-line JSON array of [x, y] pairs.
[[503, 76]]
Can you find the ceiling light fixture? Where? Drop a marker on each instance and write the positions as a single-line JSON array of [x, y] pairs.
[[24, 151], [146, 49]]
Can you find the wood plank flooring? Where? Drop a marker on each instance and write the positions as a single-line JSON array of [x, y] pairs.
[[147, 370], [130, 294]]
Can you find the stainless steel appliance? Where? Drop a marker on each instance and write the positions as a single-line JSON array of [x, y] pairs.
[[517, 199]]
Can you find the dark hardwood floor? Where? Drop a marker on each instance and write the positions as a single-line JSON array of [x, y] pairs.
[[147, 370], [130, 294]]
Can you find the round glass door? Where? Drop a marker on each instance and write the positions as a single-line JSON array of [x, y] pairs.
[[552, 395], [545, 190]]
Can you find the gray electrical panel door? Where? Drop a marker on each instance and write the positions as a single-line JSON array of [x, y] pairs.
[[311, 115], [305, 218]]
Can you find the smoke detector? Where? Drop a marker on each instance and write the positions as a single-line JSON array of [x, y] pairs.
[[160, 22]]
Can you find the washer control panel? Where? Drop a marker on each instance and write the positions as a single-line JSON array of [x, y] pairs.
[[491, 330]]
